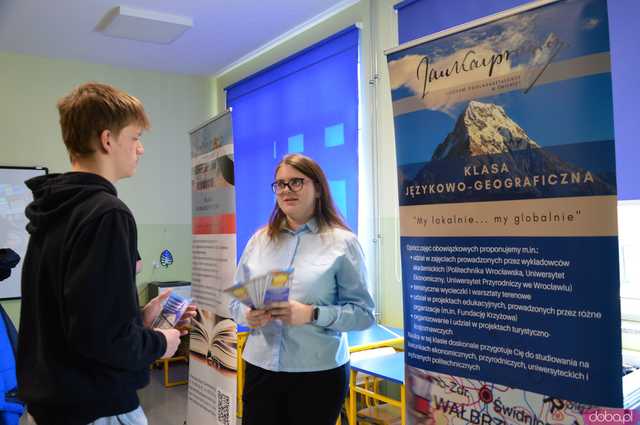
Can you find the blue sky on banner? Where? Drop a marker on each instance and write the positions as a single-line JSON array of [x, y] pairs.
[[580, 108]]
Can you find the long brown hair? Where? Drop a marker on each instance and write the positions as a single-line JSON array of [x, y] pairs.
[[324, 212]]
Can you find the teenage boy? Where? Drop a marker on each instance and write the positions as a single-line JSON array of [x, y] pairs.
[[84, 346]]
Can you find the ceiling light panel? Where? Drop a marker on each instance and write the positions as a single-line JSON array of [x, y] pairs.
[[144, 25]]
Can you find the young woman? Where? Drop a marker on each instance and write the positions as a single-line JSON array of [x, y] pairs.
[[297, 357]]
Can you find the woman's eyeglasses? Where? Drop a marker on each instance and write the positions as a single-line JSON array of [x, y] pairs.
[[295, 185]]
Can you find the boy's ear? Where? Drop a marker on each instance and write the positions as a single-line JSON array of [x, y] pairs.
[[105, 140]]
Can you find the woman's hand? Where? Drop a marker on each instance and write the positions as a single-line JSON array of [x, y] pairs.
[[258, 318], [291, 312]]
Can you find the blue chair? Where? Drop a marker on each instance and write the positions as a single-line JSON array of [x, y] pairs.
[[10, 407]]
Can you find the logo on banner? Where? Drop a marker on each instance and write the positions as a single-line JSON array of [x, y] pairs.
[[604, 416], [473, 61]]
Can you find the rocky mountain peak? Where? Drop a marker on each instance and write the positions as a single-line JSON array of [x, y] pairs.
[[482, 129]]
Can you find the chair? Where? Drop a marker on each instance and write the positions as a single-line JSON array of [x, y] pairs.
[[243, 334], [375, 337], [182, 355], [10, 407], [388, 367], [164, 363]]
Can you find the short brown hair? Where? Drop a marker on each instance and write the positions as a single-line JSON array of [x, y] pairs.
[[92, 108], [324, 212]]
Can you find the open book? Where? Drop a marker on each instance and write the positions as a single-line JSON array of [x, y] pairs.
[[263, 290], [215, 342]]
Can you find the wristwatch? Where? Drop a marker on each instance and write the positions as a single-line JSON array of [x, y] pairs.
[[315, 314]]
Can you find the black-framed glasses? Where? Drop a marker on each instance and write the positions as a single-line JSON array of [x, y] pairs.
[[295, 185]]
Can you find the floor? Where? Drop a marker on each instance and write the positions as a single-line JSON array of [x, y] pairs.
[[163, 406], [166, 406]]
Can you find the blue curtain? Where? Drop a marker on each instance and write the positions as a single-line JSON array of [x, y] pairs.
[[417, 18], [307, 103]]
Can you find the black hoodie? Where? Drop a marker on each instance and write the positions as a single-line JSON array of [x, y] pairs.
[[82, 349]]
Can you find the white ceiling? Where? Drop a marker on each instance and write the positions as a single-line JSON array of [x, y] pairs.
[[223, 32]]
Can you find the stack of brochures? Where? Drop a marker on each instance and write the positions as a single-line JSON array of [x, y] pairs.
[[263, 290], [172, 310]]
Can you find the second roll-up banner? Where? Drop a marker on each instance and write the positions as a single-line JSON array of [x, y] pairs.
[[506, 174], [213, 339]]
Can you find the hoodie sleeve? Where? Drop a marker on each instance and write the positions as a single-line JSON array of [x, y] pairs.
[[102, 316]]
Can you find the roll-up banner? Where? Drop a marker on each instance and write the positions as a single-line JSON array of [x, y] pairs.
[[213, 338], [507, 183]]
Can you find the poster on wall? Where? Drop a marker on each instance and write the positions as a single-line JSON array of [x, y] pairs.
[[507, 193], [14, 197], [213, 338]]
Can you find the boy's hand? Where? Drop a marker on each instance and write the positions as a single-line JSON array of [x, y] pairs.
[[153, 308], [185, 320], [173, 341]]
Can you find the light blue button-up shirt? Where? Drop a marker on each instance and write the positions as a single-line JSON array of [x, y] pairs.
[[329, 272]]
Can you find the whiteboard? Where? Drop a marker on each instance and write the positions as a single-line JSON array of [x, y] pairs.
[[14, 197]]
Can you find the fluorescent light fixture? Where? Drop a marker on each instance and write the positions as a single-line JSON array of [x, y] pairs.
[[143, 25]]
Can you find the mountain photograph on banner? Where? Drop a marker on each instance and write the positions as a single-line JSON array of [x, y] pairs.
[[485, 142]]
